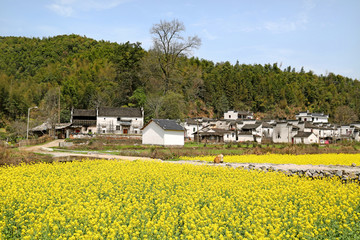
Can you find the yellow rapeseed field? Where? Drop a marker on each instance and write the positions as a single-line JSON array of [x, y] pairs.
[[313, 159], [151, 200]]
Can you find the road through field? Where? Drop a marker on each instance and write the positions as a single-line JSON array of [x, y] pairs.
[[47, 149], [64, 156]]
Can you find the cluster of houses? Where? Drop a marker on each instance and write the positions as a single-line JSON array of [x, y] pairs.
[[236, 126]]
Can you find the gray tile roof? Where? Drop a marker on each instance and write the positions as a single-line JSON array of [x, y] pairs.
[[310, 125], [168, 124], [302, 134], [250, 126], [266, 125], [120, 112], [84, 113]]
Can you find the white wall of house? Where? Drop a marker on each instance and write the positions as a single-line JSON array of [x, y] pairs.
[[153, 134], [222, 124], [306, 140], [345, 130], [230, 137], [87, 130], [326, 133], [320, 119], [282, 133], [245, 138], [174, 138], [190, 129], [257, 131], [357, 136], [233, 115], [267, 132], [108, 124], [312, 117]]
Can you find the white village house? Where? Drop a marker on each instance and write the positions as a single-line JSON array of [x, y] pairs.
[[163, 132], [107, 120], [119, 120], [305, 138], [234, 115], [312, 117]]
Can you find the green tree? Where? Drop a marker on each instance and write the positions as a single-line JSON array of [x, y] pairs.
[[173, 106]]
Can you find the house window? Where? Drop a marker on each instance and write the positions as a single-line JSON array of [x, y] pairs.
[[117, 127], [118, 119], [136, 119], [232, 134], [193, 129], [103, 131], [229, 116], [104, 118], [278, 135], [135, 131]]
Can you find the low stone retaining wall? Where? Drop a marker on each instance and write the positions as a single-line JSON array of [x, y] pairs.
[[343, 174]]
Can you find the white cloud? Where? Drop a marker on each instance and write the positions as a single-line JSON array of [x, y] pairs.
[[61, 10], [68, 8], [287, 25], [281, 26], [208, 35]]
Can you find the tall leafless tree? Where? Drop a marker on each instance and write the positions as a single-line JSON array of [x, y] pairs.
[[169, 44]]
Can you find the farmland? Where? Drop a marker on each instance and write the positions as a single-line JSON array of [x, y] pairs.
[[152, 200]]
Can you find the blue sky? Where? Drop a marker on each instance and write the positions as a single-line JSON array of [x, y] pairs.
[[322, 36]]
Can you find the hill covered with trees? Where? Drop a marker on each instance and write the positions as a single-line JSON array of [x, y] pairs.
[[86, 73]]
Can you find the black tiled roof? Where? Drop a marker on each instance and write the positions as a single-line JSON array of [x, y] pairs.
[[303, 134], [84, 113], [120, 112], [250, 126], [266, 125], [168, 124], [86, 123]]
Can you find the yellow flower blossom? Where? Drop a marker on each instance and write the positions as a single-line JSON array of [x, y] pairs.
[[101, 199]]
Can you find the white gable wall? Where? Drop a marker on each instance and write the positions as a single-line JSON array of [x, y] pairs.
[[153, 134], [230, 137], [245, 138], [231, 115], [282, 133], [306, 140], [190, 129]]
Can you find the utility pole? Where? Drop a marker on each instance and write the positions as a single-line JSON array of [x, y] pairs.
[[59, 105], [28, 119]]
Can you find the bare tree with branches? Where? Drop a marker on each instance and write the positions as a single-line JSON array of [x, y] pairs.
[[169, 44]]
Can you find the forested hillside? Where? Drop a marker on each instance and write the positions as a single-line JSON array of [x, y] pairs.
[[88, 73]]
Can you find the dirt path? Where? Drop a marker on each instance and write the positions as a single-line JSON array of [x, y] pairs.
[[68, 156], [42, 148], [47, 149]]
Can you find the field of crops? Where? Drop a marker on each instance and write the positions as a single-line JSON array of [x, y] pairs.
[[313, 159], [151, 200]]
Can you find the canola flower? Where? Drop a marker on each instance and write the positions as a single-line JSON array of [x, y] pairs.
[[151, 200], [308, 159]]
